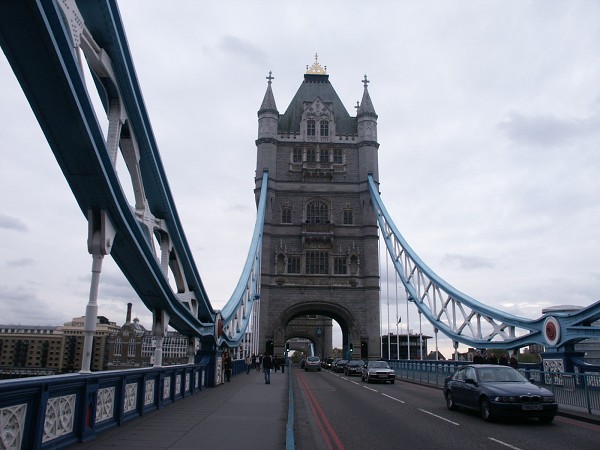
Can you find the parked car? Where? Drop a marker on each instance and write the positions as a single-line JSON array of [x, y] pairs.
[[354, 367], [378, 371], [497, 391], [339, 365], [312, 363], [327, 363]]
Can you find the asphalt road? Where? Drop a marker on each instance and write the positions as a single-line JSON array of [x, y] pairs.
[[339, 412]]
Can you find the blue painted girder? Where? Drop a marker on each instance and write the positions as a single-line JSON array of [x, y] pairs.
[[38, 46], [572, 326]]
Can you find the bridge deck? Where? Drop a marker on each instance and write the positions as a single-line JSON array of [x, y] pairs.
[[244, 413]]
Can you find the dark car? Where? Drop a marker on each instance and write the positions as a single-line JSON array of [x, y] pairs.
[[498, 391], [378, 371], [339, 365], [327, 363], [354, 367]]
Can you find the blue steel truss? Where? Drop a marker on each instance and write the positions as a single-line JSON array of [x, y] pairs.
[[464, 319], [47, 44]]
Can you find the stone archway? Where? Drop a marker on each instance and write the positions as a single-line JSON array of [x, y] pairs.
[[352, 335]]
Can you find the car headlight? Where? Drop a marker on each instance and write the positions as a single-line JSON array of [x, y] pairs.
[[507, 399]]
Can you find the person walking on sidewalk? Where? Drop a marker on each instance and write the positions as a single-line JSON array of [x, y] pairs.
[[227, 365], [248, 362], [267, 364]]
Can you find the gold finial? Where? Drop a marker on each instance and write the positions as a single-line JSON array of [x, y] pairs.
[[316, 68]]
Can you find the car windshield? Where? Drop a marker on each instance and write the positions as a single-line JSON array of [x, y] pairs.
[[356, 363], [500, 374], [379, 365]]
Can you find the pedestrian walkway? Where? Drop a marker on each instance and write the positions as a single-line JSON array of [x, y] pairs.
[[244, 414]]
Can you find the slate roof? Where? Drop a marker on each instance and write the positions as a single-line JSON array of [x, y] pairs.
[[312, 87]]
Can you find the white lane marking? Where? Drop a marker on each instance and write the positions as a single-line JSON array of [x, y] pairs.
[[371, 389], [439, 417], [393, 398], [352, 381], [504, 443], [344, 378]]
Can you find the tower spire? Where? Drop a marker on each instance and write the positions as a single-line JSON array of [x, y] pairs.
[[366, 105], [268, 115]]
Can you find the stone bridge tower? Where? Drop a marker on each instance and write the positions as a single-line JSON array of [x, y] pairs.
[[320, 241]]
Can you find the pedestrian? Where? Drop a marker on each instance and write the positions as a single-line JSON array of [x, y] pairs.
[[513, 362], [259, 362], [253, 360], [276, 363], [248, 363], [503, 361], [478, 358], [227, 363], [267, 364], [283, 363]]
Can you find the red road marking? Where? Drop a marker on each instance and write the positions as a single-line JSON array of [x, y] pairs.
[[327, 431]]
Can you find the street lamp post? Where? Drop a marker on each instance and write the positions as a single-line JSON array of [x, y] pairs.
[[398, 338]]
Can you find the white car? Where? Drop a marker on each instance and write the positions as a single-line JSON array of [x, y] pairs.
[[312, 363], [378, 371]]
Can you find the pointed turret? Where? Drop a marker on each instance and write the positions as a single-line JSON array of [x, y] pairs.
[[366, 117], [366, 123], [268, 114], [266, 144]]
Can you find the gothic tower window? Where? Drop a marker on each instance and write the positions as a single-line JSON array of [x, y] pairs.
[[293, 264], [317, 263], [286, 215], [310, 128], [348, 217], [324, 155], [324, 128], [297, 155], [338, 156], [340, 265], [311, 155], [317, 211]]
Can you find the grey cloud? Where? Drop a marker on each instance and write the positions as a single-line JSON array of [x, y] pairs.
[[242, 49], [546, 129], [12, 223], [466, 262], [23, 262], [19, 302]]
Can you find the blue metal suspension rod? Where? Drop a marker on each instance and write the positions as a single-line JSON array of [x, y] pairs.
[[464, 319], [236, 314]]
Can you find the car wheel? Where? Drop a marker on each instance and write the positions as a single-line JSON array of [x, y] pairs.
[[486, 410], [450, 401], [546, 419], [392, 381]]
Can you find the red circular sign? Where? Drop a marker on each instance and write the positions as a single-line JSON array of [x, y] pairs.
[[550, 331]]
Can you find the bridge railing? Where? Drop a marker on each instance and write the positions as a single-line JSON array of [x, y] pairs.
[[58, 411], [579, 390]]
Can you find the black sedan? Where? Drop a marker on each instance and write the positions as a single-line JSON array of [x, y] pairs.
[[339, 365], [354, 367], [498, 391]]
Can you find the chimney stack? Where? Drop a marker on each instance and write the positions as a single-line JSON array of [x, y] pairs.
[[128, 318]]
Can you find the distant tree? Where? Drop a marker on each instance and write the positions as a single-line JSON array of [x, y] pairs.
[[336, 352]]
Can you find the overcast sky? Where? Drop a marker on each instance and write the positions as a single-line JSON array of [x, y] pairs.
[[489, 132]]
